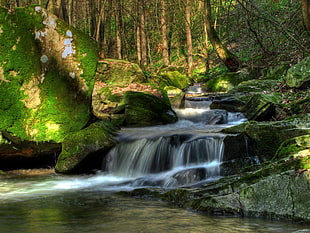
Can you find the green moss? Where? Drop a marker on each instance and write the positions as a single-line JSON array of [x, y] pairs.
[[19, 61], [173, 78]]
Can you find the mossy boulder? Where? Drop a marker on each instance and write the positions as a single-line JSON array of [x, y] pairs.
[[298, 76], [172, 76], [84, 150], [261, 107], [227, 81], [46, 75], [142, 109], [276, 72], [119, 72], [244, 90], [266, 137]]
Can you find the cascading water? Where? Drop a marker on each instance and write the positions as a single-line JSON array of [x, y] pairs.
[[179, 154]]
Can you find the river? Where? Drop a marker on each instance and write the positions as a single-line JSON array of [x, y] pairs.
[[48, 202]]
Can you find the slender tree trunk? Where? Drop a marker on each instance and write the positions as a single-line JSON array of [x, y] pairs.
[[189, 37], [143, 36], [228, 58], [306, 13], [164, 33], [117, 29]]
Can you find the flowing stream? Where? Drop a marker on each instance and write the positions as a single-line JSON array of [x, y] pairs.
[[169, 156]]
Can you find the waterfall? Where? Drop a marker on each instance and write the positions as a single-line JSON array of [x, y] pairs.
[[183, 157], [180, 154]]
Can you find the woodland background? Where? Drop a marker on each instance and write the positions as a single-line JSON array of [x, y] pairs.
[[198, 34]]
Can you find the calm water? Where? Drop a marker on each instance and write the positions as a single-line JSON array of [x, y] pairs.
[[52, 203]]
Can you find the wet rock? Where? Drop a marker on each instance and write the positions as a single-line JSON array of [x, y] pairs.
[[145, 109], [83, 151], [186, 177], [266, 137], [227, 103]]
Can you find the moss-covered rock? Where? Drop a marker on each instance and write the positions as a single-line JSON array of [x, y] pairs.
[[174, 77], [262, 107], [46, 75], [83, 151], [143, 109], [268, 136], [227, 81], [119, 72], [276, 72], [298, 76]]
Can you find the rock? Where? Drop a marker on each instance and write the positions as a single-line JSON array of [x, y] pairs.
[[227, 103], [262, 107], [173, 77], [46, 75], [226, 82], [298, 76], [266, 137], [145, 109], [244, 90], [119, 72], [284, 196], [276, 72], [186, 177], [84, 150]]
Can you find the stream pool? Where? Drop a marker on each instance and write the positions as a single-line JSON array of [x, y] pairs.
[[46, 202]]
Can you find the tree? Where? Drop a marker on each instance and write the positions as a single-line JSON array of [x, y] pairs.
[[163, 21], [228, 58], [306, 14], [189, 36]]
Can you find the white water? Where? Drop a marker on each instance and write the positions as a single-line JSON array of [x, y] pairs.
[[168, 156]]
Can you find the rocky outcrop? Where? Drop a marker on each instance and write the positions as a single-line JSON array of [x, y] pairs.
[[46, 75], [142, 109], [298, 76], [119, 72], [268, 136], [83, 151]]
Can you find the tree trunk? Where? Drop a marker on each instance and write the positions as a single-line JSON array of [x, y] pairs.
[[143, 36], [306, 13], [189, 37], [164, 33], [118, 39], [228, 58]]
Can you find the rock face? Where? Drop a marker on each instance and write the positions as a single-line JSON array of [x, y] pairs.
[[298, 76], [142, 109], [84, 149], [46, 75], [267, 137], [119, 72]]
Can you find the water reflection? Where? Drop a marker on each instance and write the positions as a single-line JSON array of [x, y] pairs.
[[93, 210]]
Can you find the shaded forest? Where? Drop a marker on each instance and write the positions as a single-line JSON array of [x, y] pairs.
[[206, 36]]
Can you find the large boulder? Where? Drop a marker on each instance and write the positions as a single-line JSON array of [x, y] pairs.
[[262, 107], [83, 151], [142, 109], [119, 72], [227, 81], [174, 77], [266, 137], [46, 75], [298, 76]]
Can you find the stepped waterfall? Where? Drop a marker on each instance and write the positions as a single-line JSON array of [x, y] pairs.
[[180, 154]]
